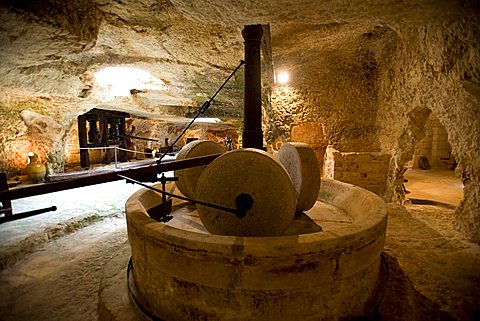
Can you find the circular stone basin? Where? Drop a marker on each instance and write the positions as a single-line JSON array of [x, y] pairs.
[[325, 267]]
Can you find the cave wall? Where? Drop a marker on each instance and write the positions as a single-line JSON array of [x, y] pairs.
[[31, 124], [332, 100], [368, 170], [337, 88], [51, 50], [377, 94], [436, 67]]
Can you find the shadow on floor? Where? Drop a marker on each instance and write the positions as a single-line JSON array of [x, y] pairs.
[[434, 271], [403, 302]]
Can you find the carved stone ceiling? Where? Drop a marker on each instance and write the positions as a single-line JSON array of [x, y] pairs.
[[55, 47]]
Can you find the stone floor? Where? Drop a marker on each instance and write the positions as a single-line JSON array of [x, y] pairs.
[[437, 185], [101, 198], [47, 272], [76, 208]]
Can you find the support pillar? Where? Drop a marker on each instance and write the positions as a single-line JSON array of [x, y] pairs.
[[252, 112]]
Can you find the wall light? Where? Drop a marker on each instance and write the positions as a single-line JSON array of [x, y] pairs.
[[282, 78]]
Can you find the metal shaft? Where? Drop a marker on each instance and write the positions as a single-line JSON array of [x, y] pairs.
[[239, 212], [18, 216]]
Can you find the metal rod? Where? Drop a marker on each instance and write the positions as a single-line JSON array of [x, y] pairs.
[[19, 216], [202, 109], [147, 173], [235, 211]]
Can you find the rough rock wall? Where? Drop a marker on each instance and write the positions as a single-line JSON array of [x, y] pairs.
[[28, 124], [31, 54], [313, 135], [80, 18], [336, 87], [51, 50], [437, 67], [377, 93]]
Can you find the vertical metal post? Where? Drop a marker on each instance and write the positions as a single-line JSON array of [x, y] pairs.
[[252, 112], [115, 155]]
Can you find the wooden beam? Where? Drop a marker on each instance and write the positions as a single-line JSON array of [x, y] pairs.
[[144, 174], [122, 131]]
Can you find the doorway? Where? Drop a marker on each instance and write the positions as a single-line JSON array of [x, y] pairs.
[[430, 177]]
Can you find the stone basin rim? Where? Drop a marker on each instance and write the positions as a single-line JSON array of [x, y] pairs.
[[372, 216]]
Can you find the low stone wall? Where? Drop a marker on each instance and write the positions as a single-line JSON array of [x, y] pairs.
[[368, 170]]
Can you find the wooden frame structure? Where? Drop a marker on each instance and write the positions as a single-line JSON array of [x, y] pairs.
[[105, 128]]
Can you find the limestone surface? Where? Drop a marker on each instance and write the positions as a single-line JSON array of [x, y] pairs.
[[316, 275]]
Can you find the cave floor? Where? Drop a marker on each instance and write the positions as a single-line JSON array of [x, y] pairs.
[[52, 269], [436, 185]]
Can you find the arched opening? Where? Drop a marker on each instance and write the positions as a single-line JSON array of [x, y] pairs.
[[430, 176]]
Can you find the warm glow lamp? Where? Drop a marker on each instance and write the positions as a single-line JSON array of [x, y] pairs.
[[282, 77]]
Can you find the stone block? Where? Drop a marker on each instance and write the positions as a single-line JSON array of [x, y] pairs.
[[311, 133]]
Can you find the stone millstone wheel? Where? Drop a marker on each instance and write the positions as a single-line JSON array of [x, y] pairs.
[[187, 178], [301, 163], [254, 173]]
